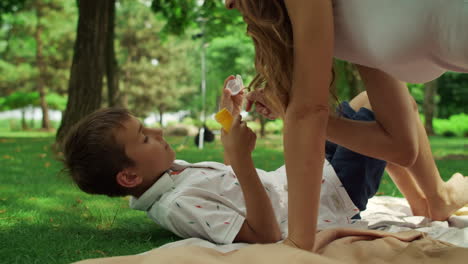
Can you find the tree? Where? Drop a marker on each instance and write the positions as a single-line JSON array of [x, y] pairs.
[[10, 6], [35, 52], [229, 50], [89, 62], [20, 100], [40, 64], [112, 68], [181, 15], [16, 77], [156, 73], [453, 92], [229, 55]]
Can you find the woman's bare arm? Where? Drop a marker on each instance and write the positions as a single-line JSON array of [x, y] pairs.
[[307, 114]]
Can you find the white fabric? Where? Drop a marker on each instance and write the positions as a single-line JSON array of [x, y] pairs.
[[394, 215], [414, 41], [205, 200], [385, 213]]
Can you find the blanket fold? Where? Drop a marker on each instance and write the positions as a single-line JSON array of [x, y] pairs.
[[334, 246]]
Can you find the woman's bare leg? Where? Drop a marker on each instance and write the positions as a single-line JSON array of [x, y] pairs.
[[443, 198], [440, 198], [408, 186], [405, 182]]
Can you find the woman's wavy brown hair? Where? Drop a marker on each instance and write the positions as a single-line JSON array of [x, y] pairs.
[[269, 25]]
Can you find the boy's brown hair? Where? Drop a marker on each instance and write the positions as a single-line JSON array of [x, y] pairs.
[[92, 155]]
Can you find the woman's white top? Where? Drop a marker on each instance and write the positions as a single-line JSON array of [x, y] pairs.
[[413, 40]]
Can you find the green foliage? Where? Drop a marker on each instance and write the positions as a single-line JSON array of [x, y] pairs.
[[229, 50], [13, 127], [274, 127], [189, 121], [453, 94], [417, 91], [182, 15], [155, 75], [456, 125], [16, 77], [10, 6], [56, 101], [226, 56], [18, 100], [255, 126], [18, 46], [212, 124]]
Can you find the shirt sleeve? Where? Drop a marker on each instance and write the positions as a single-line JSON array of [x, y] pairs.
[[204, 218]]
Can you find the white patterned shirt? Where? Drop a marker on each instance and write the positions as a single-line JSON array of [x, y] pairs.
[[205, 200]]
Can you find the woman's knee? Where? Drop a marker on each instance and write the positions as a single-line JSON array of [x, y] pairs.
[[360, 100]]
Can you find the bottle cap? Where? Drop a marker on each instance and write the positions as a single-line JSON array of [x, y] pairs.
[[235, 85]]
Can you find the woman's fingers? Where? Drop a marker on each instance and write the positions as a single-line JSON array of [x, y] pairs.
[[253, 97], [248, 107], [257, 98]]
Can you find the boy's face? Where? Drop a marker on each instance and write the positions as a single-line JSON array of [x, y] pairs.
[[147, 148]]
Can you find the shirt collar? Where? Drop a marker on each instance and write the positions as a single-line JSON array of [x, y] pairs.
[[153, 194], [165, 184]]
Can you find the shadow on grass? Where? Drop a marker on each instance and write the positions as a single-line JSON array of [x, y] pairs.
[[42, 243], [62, 226]]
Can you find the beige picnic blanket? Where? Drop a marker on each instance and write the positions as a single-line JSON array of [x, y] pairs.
[[335, 246]]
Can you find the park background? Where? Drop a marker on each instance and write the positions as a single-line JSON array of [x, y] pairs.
[[166, 60]]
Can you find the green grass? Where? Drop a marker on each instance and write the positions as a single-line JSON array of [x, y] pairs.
[[45, 219]]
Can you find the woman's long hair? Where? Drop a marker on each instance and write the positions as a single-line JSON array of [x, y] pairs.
[[269, 25]]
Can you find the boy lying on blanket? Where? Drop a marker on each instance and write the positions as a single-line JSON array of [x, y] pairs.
[[110, 152]]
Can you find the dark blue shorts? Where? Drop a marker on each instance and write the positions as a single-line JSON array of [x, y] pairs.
[[359, 174]]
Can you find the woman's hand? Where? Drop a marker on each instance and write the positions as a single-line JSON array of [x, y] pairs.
[[240, 141], [258, 99], [231, 103]]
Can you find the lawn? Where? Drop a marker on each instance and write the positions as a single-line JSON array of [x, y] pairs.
[[45, 219]]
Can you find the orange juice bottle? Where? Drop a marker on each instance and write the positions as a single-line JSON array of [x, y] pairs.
[[224, 117]]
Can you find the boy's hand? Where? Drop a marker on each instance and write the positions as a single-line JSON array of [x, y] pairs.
[[240, 141], [231, 103]]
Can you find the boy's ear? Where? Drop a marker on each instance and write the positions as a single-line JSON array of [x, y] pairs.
[[128, 179]]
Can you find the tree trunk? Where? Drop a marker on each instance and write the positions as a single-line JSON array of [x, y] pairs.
[[24, 125], [161, 117], [263, 122], [89, 60], [112, 69], [430, 91], [42, 69], [33, 112], [123, 100]]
